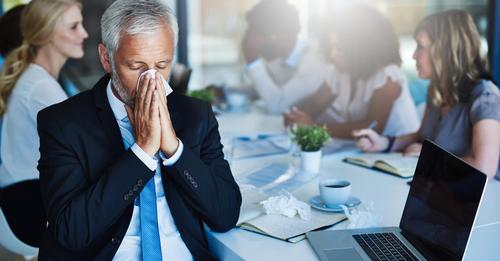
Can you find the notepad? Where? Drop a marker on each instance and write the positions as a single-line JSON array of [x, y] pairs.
[[258, 185], [253, 218], [391, 163], [291, 229]]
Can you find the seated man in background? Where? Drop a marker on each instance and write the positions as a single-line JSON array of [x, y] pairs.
[[126, 174], [283, 68]]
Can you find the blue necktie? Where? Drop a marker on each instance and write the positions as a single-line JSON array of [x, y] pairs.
[[150, 235]]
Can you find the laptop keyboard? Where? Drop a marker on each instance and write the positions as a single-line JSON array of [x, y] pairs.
[[384, 246]]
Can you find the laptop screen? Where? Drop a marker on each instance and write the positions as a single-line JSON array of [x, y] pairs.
[[442, 204]]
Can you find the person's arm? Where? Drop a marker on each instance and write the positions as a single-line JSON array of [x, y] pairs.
[[317, 103], [484, 116], [205, 180], [410, 144], [485, 146], [370, 141], [379, 110], [79, 210]]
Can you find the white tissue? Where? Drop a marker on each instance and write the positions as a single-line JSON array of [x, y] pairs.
[[287, 205], [363, 216], [152, 72]]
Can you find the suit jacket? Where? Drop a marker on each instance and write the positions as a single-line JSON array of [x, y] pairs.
[[89, 181]]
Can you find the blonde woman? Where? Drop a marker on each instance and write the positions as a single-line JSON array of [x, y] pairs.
[[463, 105], [52, 31]]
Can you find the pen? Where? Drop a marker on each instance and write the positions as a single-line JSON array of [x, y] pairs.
[[373, 125]]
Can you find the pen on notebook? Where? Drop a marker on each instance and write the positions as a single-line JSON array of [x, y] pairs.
[[372, 126]]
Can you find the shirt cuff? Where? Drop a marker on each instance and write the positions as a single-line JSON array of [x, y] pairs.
[[257, 63], [150, 162], [172, 160]]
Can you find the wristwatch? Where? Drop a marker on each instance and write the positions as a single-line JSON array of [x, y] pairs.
[[391, 143]]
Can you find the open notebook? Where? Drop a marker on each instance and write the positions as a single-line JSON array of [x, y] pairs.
[[392, 163], [253, 218]]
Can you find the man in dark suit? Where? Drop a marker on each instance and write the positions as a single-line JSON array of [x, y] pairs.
[[126, 172]]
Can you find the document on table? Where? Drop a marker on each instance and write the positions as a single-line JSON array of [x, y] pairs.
[[262, 145], [275, 177]]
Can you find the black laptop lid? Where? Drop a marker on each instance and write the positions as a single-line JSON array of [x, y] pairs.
[[442, 204]]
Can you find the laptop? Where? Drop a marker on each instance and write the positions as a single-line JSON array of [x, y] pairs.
[[437, 219]]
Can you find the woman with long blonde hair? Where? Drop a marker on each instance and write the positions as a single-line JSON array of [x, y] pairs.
[[52, 32], [463, 104]]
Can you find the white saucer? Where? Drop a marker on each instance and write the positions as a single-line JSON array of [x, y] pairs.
[[317, 203]]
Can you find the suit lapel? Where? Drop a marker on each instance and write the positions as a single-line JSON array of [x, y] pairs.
[[106, 116], [173, 110]]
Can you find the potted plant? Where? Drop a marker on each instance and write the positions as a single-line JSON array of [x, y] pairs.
[[203, 94], [311, 139]]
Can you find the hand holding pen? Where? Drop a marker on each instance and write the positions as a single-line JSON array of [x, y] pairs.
[[369, 140]]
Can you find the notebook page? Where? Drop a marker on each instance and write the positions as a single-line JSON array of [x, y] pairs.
[[284, 227]]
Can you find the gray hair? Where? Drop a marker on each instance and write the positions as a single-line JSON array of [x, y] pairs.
[[133, 17]]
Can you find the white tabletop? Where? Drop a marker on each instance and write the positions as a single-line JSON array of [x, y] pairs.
[[387, 194]]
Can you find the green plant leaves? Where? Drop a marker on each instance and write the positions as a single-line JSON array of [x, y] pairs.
[[205, 94], [310, 137]]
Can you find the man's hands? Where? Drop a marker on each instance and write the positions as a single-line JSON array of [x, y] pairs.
[[150, 118], [169, 141]]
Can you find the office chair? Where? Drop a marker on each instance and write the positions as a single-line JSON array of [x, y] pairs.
[[9, 241], [15, 235]]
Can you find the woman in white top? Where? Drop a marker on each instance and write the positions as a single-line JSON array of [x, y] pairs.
[[52, 32], [366, 85]]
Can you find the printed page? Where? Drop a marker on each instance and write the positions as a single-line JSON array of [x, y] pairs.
[[243, 148], [273, 178]]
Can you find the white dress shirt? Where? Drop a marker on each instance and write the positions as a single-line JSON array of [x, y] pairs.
[[35, 90], [349, 106], [172, 245], [282, 83]]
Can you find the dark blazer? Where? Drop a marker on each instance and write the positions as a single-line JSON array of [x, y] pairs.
[[89, 181]]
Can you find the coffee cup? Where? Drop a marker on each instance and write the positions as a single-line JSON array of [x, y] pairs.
[[236, 100], [334, 192]]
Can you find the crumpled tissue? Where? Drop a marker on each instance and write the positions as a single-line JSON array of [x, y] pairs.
[[362, 216], [152, 72], [287, 205]]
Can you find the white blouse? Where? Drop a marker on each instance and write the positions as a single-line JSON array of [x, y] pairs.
[[403, 118], [35, 90]]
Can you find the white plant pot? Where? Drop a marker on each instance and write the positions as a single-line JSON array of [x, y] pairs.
[[310, 161]]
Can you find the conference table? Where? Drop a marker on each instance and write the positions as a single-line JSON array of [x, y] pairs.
[[383, 194]]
